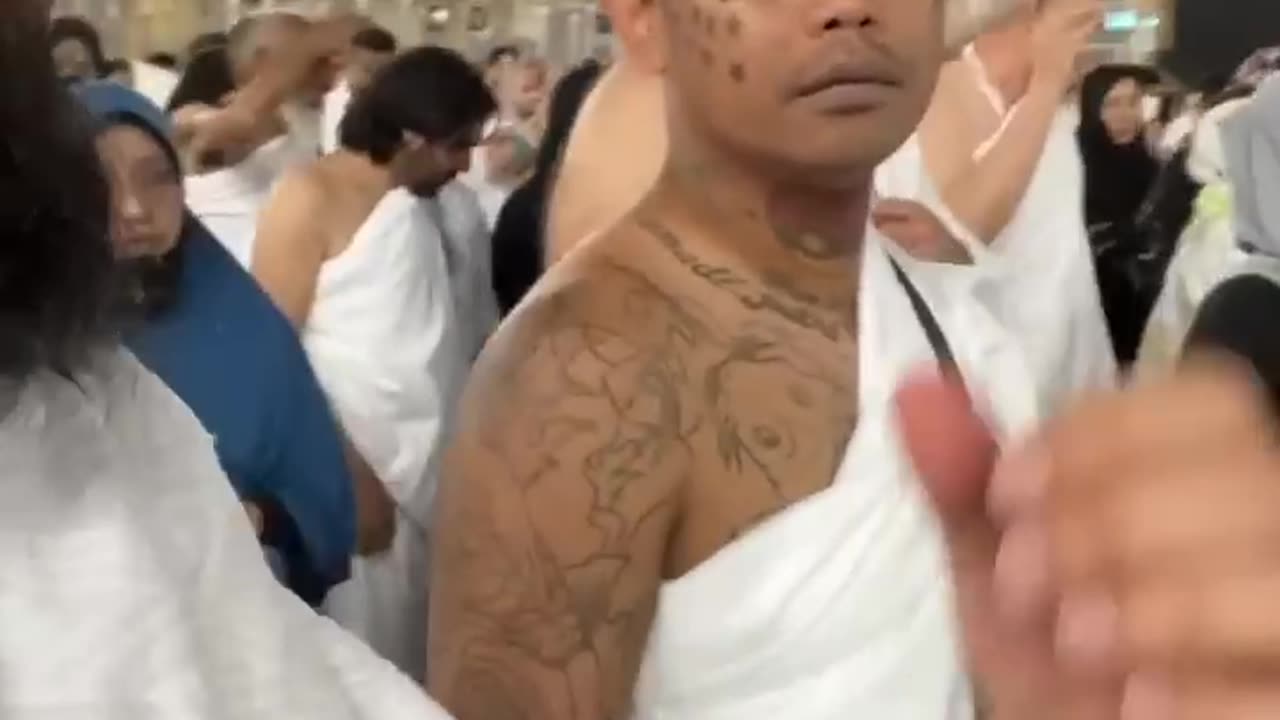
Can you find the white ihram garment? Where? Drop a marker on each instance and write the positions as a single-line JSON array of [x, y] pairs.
[[336, 102], [1037, 276], [840, 606], [229, 201], [1045, 265], [153, 82], [133, 586], [464, 228], [382, 340]]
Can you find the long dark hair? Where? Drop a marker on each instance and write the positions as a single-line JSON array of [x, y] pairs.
[[57, 271], [566, 100]]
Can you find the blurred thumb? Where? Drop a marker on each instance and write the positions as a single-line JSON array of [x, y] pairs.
[[954, 453]]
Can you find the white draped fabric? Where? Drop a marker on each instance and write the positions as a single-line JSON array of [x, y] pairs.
[[464, 229], [382, 339], [229, 201], [335, 108], [1037, 276], [133, 586], [154, 83], [840, 607]]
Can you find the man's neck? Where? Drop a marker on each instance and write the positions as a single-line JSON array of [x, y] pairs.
[[361, 171], [808, 232]]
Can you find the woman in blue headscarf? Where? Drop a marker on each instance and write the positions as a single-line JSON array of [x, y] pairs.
[[207, 330]]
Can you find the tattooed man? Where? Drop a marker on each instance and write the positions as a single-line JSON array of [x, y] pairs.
[[650, 511]]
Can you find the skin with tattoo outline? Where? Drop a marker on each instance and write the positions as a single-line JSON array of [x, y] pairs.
[[684, 377]]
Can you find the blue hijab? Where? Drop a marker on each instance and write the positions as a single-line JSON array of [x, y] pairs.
[[227, 351]]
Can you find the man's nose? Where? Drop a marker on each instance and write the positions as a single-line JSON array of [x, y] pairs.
[[832, 15], [130, 206]]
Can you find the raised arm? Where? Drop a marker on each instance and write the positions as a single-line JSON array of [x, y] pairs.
[[552, 523], [238, 123], [985, 192]]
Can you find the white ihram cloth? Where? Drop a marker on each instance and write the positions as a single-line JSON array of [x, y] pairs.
[[464, 228], [1045, 268], [336, 102], [382, 340], [133, 585], [1037, 276], [229, 201], [840, 607], [154, 82]]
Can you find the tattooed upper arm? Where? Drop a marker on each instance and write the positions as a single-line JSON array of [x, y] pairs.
[[557, 504]]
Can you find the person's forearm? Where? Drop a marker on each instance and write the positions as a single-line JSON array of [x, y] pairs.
[[985, 196]]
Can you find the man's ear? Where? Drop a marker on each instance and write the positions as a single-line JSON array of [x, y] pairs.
[[639, 25]]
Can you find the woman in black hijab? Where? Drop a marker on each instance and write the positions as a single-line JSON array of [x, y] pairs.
[[1120, 171], [1119, 167], [518, 248]]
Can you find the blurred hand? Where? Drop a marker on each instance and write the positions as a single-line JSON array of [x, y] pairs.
[[1062, 33], [1122, 564], [917, 230]]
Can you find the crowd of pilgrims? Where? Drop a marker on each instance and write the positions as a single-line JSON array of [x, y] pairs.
[[255, 334]]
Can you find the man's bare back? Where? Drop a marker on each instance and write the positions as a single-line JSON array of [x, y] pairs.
[[312, 218], [654, 401]]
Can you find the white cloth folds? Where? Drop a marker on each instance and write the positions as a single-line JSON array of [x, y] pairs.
[[229, 201], [382, 339], [840, 606], [133, 586]]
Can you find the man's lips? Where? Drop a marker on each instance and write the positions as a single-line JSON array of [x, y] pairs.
[[847, 75]]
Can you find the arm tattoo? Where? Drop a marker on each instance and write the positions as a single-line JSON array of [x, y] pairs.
[[553, 519]]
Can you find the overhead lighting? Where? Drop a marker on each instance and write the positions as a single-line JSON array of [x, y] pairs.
[[1122, 20]]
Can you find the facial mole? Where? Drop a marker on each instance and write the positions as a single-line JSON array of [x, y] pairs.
[[732, 26], [737, 72]]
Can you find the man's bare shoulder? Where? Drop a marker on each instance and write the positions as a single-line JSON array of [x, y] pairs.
[[598, 309], [312, 182], [560, 494], [304, 194]]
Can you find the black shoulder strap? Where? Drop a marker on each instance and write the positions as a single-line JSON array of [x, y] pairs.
[[932, 331]]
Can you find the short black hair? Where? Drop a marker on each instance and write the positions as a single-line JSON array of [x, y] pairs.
[[375, 39], [58, 276], [165, 60], [431, 91], [502, 52], [73, 27]]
